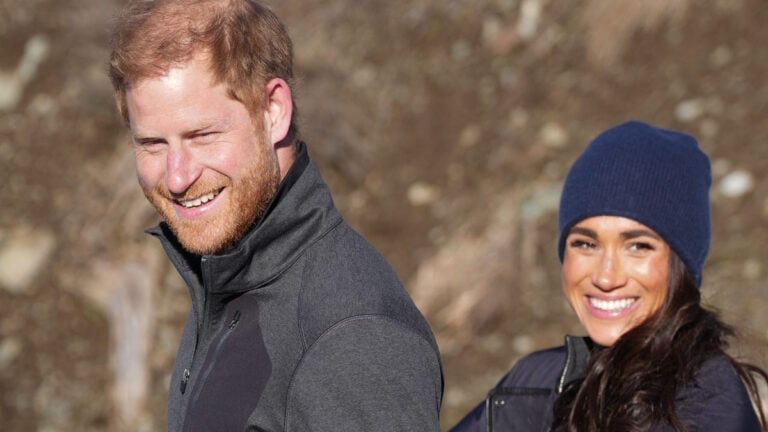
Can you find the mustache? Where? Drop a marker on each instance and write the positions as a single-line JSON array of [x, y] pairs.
[[196, 190]]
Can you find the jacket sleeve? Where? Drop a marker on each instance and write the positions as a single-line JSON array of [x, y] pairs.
[[522, 399], [475, 421], [716, 400], [366, 373]]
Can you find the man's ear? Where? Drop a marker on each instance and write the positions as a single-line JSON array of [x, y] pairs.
[[279, 108]]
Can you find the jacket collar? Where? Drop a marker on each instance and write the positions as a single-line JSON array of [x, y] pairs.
[[301, 212], [578, 350]]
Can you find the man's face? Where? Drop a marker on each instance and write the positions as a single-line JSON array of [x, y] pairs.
[[202, 160]]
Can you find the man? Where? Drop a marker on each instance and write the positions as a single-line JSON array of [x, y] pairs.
[[297, 323]]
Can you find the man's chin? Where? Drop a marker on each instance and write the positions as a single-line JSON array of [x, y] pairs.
[[207, 237], [198, 240], [199, 247]]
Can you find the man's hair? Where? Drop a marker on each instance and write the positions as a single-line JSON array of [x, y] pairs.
[[245, 42]]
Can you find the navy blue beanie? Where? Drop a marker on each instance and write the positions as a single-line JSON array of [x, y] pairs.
[[658, 177]]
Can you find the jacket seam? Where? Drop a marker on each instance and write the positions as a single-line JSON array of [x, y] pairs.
[[519, 391], [307, 254], [333, 327], [568, 358]]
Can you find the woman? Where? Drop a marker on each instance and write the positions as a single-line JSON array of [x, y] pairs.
[[634, 233]]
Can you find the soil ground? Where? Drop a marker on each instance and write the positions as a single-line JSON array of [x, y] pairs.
[[426, 119]]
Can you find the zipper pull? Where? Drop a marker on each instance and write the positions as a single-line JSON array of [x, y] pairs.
[[184, 381], [235, 320]]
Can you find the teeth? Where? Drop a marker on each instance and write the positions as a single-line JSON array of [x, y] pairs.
[[196, 202], [611, 305]]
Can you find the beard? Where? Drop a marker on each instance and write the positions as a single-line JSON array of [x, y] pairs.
[[247, 199]]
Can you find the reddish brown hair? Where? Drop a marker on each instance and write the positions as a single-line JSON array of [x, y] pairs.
[[246, 43]]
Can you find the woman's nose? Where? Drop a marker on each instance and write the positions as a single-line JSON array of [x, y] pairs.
[[609, 272]]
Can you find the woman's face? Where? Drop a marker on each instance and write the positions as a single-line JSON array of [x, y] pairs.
[[615, 274]]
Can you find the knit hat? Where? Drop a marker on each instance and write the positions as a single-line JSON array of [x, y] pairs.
[[655, 176]]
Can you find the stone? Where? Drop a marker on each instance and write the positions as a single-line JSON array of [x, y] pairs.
[[10, 348], [420, 194], [12, 83], [736, 184], [22, 256], [689, 110]]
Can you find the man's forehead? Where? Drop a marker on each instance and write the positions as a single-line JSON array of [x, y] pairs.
[[198, 64], [175, 77]]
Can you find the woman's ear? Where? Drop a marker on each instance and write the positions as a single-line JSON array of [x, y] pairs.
[[279, 109]]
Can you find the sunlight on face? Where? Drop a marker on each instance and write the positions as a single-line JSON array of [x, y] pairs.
[[202, 161], [615, 275]]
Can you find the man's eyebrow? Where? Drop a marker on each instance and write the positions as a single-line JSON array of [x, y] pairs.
[[141, 138], [206, 126], [202, 127]]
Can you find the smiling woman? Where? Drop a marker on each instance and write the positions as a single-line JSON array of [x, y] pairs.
[[634, 234], [615, 274]]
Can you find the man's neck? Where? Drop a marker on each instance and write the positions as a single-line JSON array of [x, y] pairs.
[[286, 155]]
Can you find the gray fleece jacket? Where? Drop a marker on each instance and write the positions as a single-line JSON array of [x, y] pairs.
[[303, 326]]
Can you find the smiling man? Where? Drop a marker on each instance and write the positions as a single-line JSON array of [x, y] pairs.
[[297, 323]]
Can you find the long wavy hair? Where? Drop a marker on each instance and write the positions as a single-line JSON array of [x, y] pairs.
[[631, 386]]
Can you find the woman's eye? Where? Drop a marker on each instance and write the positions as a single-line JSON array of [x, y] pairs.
[[638, 246], [581, 244]]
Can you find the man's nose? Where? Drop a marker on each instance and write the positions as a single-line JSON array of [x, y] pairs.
[[609, 272], [182, 169]]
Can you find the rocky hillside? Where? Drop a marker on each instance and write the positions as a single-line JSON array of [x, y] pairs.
[[445, 129]]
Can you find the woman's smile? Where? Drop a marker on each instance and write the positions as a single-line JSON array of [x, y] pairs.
[[615, 274]]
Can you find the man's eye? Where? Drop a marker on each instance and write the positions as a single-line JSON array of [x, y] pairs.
[[149, 146], [146, 142], [206, 136]]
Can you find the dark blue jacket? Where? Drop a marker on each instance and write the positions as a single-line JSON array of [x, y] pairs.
[[716, 400]]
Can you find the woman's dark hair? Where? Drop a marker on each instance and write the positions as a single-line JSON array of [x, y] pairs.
[[631, 386]]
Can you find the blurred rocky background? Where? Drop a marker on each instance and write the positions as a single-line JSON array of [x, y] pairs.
[[444, 127]]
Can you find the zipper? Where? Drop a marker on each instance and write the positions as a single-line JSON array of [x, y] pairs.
[[184, 381], [568, 358], [235, 320], [202, 321], [227, 330], [203, 308]]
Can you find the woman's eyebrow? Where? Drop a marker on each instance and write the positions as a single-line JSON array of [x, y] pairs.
[[583, 231], [639, 233]]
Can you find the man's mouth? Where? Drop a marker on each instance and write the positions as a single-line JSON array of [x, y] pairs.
[[196, 202]]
